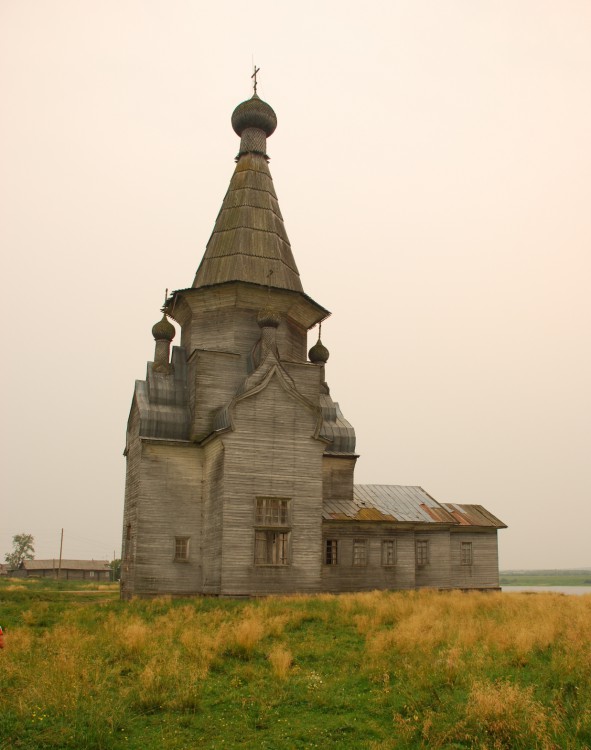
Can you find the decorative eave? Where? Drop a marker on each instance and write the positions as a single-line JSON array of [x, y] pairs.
[[257, 382], [296, 305]]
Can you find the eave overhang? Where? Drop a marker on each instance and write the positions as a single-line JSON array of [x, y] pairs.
[[303, 309]]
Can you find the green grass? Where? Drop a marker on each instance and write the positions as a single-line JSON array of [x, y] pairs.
[[82, 670], [546, 578]]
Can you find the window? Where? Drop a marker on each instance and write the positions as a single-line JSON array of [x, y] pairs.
[[272, 511], [181, 548], [91, 573], [422, 552], [389, 552], [271, 545], [359, 552], [331, 552], [466, 553]]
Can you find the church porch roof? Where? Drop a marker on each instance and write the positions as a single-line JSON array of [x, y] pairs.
[[404, 504]]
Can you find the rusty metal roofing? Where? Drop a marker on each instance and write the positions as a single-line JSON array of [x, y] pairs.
[[404, 504], [387, 502], [473, 515]]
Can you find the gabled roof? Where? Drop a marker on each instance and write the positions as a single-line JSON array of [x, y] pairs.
[[403, 504], [249, 241], [66, 564]]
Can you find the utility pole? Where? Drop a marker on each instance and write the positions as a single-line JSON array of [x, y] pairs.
[[59, 570]]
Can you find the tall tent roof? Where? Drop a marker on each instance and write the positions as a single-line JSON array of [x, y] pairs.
[[249, 241]]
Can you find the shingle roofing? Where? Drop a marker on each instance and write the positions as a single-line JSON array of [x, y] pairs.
[[249, 241], [402, 504]]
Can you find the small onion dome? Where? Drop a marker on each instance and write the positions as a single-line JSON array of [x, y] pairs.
[[268, 318], [163, 330], [319, 354], [254, 113]]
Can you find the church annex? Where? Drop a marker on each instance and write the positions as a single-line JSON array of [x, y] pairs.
[[240, 465]]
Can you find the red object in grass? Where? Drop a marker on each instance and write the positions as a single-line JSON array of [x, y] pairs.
[[1, 638]]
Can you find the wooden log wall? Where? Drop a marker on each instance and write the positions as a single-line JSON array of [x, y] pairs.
[[345, 576], [272, 453], [168, 506], [213, 515], [132, 490], [483, 573]]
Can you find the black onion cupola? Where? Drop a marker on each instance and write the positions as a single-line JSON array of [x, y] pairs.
[[163, 332]]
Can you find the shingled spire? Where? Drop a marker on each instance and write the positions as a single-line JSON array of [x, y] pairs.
[[249, 241]]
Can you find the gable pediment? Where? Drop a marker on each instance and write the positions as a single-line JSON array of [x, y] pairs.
[[270, 371]]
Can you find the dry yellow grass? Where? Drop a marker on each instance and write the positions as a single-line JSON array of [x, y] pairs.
[[426, 663], [281, 659]]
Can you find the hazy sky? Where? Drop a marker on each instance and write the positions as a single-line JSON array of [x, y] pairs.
[[433, 165]]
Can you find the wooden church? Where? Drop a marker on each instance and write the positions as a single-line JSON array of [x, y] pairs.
[[240, 465]]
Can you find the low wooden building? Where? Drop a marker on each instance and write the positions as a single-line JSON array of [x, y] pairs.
[[240, 464], [69, 570]]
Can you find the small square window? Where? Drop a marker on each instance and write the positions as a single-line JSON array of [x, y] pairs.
[[359, 552], [331, 552], [181, 548], [422, 552], [389, 552], [466, 553]]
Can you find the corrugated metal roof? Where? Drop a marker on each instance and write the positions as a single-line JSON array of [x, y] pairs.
[[474, 515], [404, 504], [387, 502], [66, 564]]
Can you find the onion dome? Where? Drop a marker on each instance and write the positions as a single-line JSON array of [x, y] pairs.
[[163, 330], [254, 113], [268, 318], [319, 354]]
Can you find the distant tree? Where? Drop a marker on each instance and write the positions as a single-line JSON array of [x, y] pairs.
[[116, 570], [22, 549]]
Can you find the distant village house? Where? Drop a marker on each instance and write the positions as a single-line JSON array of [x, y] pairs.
[[70, 570]]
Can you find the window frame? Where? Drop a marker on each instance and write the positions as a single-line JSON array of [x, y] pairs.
[[276, 548], [331, 552], [386, 561], [266, 515], [466, 559], [422, 552], [272, 531], [182, 549], [359, 545]]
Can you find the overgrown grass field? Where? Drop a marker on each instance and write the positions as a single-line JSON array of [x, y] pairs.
[[83, 670]]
